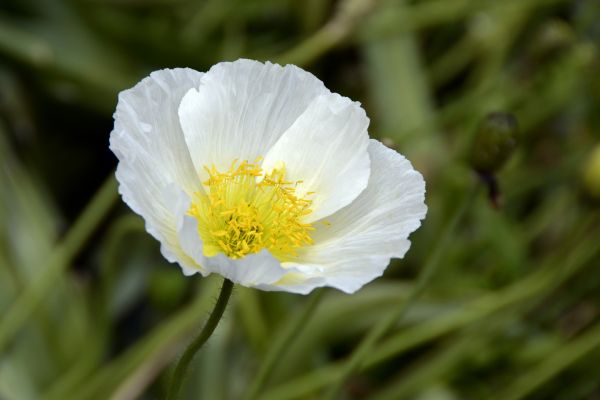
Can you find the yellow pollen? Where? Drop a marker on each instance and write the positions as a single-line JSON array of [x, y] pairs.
[[244, 210]]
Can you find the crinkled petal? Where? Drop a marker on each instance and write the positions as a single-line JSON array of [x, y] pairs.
[[240, 109], [252, 270], [295, 282], [354, 245], [325, 150], [153, 156]]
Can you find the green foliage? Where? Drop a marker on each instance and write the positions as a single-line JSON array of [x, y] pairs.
[[90, 310]]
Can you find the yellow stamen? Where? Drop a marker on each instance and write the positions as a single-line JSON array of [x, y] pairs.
[[245, 210]]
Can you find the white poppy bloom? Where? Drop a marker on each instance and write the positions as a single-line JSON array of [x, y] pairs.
[[260, 174]]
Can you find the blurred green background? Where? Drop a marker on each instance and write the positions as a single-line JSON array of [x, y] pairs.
[[90, 310]]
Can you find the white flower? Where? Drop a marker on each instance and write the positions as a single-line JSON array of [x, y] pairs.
[[259, 173]]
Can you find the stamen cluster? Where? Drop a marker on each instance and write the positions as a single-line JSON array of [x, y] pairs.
[[244, 210]]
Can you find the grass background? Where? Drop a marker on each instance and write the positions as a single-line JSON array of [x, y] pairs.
[[90, 310]]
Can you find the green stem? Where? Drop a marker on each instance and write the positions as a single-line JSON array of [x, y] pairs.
[[350, 15], [365, 347], [161, 342], [289, 333], [192, 349], [434, 369], [85, 364], [555, 364], [18, 314], [549, 276]]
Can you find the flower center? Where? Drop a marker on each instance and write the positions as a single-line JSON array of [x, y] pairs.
[[244, 210]]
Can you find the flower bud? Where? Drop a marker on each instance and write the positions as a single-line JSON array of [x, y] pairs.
[[495, 140], [591, 174], [554, 37]]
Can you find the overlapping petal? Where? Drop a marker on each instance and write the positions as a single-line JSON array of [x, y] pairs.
[[240, 109], [326, 151], [355, 245]]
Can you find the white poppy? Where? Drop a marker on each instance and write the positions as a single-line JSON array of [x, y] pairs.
[[259, 173]]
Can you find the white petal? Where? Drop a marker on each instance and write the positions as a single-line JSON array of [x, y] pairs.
[[358, 241], [241, 108], [325, 149], [347, 275], [252, 270], [294, 282], [153, 156], [381, 218], [191, 244]]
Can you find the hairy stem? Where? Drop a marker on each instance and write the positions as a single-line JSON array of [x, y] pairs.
[[198, 342]]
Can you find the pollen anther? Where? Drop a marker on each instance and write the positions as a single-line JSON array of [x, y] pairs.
[[245, 210]]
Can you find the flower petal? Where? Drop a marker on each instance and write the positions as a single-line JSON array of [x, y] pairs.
[[358, 241], [294, 282], [153, 156], [241, 108], [252, 270], [325, 149]]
